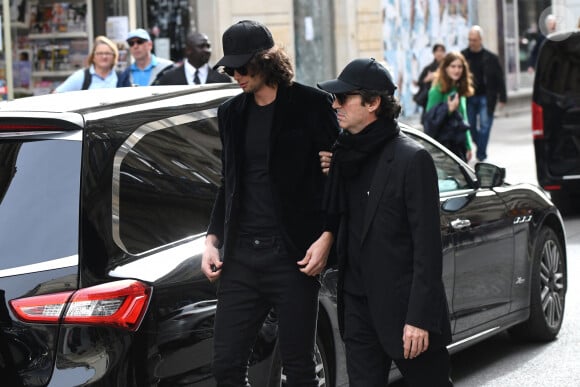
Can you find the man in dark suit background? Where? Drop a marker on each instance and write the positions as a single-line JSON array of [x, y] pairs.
[[383, 185], [195, 69], [267, 217]]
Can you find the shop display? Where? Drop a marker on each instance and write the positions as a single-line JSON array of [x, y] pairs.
[[51, 42]]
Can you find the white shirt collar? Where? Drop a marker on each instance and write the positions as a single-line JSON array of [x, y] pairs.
[[190, 72]]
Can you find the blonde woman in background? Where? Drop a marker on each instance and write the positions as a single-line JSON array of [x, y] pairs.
[[101, 72]]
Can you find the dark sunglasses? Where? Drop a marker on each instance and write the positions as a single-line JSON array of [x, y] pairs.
[[342, 97], [139, 42], [241, 70]]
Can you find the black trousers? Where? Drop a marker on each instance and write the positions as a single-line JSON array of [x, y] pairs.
[[368, 364], [254, 279]]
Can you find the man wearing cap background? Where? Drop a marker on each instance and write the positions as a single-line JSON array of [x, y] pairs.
[[195, 69], [383, 185], [146, 66], [267, 216]]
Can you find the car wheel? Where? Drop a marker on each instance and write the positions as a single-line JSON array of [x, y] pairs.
[[322, 366], [548, 289]]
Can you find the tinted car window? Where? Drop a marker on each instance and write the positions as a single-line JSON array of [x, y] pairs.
[[560, 65], [39, 200], [449, 174], [180, 163]]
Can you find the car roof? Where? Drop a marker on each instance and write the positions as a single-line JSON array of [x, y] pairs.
[[88, 100]]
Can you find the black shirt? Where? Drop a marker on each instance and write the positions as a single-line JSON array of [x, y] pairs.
[[357, 191], [257, 212], [475, 60]]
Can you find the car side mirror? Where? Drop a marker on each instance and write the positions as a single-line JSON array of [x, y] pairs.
[[489, 175]]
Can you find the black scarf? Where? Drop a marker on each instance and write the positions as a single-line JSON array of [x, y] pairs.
[[349, 152]]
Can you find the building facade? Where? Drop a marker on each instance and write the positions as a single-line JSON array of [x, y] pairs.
[[321, 36]]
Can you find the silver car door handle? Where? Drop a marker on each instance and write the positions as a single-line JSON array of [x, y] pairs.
[[459, 224]]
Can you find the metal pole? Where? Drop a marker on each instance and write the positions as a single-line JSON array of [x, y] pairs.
[[8, 48]]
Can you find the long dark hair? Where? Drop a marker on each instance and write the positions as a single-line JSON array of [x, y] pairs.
[[274, 65], [464, 84]]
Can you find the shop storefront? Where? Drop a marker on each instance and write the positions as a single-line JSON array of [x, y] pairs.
[[49, 40]]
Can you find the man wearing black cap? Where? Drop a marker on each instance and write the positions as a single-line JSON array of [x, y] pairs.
[[383, 185], [268, 217]]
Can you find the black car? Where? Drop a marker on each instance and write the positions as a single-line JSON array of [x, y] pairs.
[[104, 200], [556, 118]]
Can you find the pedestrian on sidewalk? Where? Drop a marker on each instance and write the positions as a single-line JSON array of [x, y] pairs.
[[267, 217], [383, 187], [489, 81]]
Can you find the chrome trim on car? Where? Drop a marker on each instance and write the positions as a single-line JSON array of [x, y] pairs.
[[471, 338], [130, 143], [53, 264], [571, 177]]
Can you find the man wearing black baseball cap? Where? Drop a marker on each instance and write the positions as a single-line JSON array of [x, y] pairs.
[[267, 217], [383, 187]]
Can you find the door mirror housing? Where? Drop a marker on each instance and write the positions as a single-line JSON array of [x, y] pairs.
[[489, 175]]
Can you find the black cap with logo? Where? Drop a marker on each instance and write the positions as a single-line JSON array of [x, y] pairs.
[[242, 41], [361, 74]]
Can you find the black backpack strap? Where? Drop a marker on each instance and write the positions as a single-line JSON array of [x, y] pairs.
[[87, 80]]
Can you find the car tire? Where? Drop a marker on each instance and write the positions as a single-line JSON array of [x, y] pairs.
[[322, 365], [548, 289]]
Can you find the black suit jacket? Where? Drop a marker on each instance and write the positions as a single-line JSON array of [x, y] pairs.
[[493, 78], [176, 76], [304, 123], [401, 251]]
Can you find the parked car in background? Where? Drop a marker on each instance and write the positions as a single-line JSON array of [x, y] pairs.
[[104, 202], [556, 118]]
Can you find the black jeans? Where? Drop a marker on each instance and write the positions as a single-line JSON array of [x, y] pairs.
[[256, 278], [368, 364]]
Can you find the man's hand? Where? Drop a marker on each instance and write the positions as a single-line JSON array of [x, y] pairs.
[[325, 158], [211, 264], [316, 256], [415, 341]]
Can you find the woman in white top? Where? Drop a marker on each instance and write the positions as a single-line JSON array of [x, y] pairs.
[[101, 71]]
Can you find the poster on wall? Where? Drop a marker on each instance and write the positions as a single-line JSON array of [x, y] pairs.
[[410, 29]]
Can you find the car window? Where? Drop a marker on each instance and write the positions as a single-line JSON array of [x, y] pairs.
[[39, 200], [167, 173], [559, 66], [449, 174]]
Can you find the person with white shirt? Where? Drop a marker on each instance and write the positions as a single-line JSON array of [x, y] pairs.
[[195, 69]]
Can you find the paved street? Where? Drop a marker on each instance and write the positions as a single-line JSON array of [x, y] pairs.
[[500, 361]]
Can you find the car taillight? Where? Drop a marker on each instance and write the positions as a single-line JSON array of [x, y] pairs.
[[26, 127], [552, 187], [537, 121], [121, 304]]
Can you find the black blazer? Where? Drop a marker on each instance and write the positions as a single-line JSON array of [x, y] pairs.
[[176, 76], [304, 123], [401, 254], [493, 78]]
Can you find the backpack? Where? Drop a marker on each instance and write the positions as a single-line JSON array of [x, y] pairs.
[[88, 79]]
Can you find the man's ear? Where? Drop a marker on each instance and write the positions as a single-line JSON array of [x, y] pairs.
[[374, 104]]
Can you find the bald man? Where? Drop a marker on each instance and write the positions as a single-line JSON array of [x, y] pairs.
[[195, 69]]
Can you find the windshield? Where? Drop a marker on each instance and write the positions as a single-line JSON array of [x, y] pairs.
[[39, 200]]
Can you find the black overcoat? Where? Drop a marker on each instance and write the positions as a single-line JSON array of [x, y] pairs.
[[304, 123], [400, 251]]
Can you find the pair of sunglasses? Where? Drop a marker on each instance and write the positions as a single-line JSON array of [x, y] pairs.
[[342, 97], [138, 42], [241, 70]]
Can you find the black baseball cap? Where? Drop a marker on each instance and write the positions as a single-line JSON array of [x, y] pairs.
[[241, 41], [361, 74]]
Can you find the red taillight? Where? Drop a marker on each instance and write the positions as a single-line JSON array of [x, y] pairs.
[[537, 121], [552, 187], [25, 127], [121, 304]]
